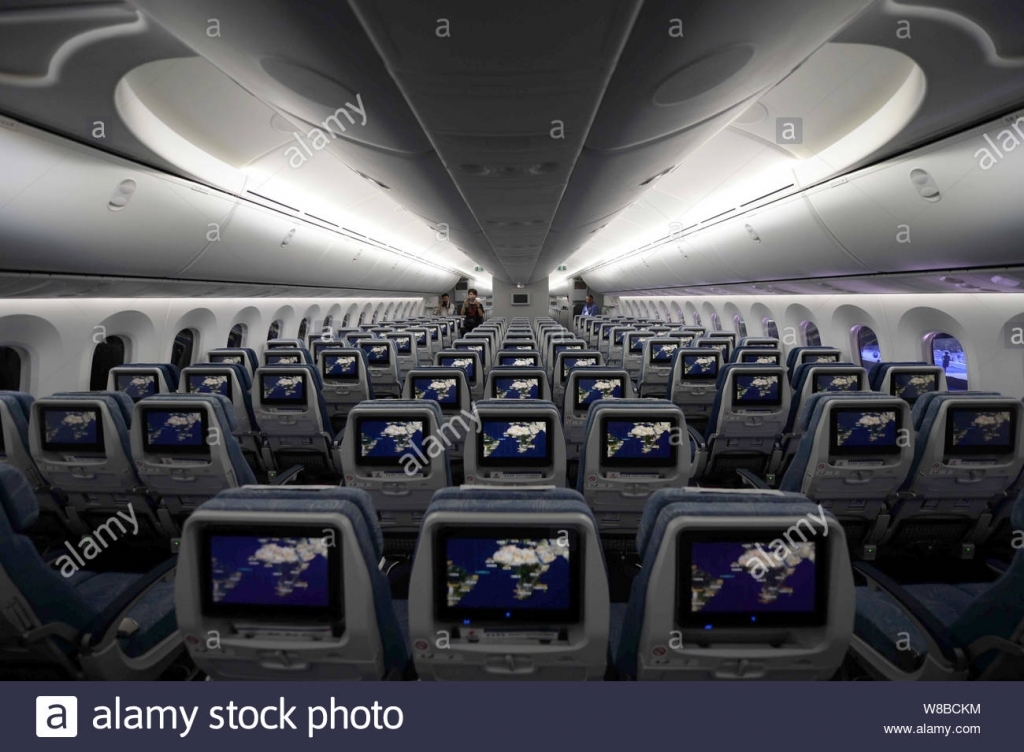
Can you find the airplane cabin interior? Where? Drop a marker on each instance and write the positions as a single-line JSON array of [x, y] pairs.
[[730, 387]]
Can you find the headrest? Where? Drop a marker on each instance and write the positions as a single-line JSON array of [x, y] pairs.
[[717, 502], [225, 413], [509, 501], [18, 400], [523, 405], [401, 404], [807, 410], [121, 401], [924, 402], [17, 499]]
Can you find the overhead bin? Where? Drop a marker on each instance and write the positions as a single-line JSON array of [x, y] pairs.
[[69, 209]]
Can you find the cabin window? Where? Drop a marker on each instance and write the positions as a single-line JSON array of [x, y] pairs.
[[10, 370], [945, 350], [274, 332], [696, 319], [237, 336], [769, 327], [108, 354], [328, 322], [181, 351], [716, 322], [303, 329], [811, 335], [867, 345], [740, 325]]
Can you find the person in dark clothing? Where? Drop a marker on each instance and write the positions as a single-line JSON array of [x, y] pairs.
[[590, 309], [472, 311]]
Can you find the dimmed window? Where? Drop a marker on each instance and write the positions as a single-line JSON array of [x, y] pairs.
[[236, 338], [108, 354], [181, 351], [811, 335], [10, 369]]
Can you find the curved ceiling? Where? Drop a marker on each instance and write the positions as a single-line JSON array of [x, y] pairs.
[[519, 136]]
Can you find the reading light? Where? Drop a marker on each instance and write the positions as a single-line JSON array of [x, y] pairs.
[[123, 194], [1005, 281], [926, 185]]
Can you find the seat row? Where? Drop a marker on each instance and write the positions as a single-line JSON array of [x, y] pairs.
[[275, 583], [935, 480]]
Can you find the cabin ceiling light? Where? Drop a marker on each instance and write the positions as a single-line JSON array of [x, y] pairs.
[[1005, 280], [925, 185], [951, 280], [122, 195]]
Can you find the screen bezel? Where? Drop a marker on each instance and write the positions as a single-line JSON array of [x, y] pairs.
[[889, 451], [229, 386], [96, 446], [396, 461], [636, 345], [661, 362], [737, 401], [334, 612], [639, 462], [366, 345], [685, 619], [499, 616], [153, 380], [333, 377], [283, 401], [984, 450], [896, 374], [577, 405], [203, 449], [533, 462], [685, 377]]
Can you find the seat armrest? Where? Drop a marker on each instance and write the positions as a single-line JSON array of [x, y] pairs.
[[53, 629], [696, 437], [988, 643], [751, 480], [286, 476], [108, 621], [938, 637]]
